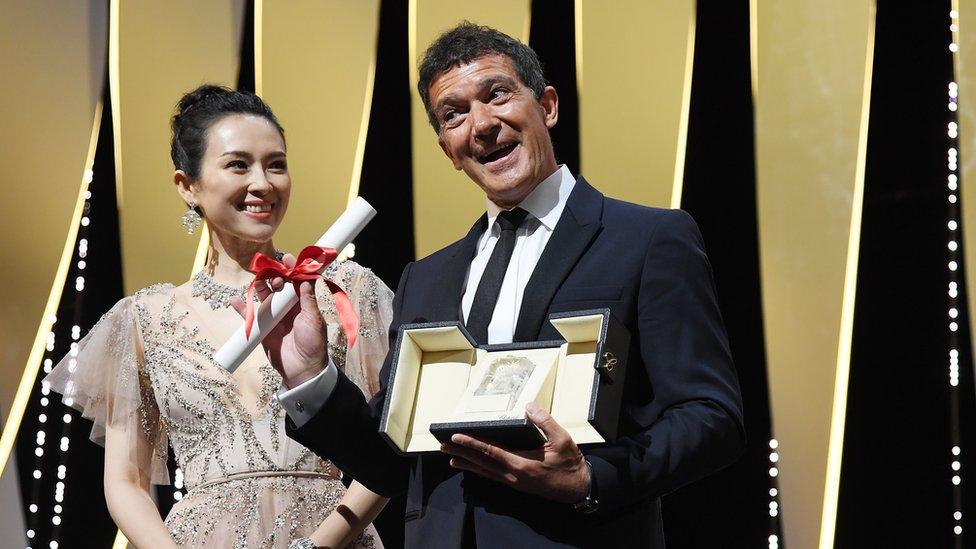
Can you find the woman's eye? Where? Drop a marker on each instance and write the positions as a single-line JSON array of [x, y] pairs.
[[279, 165], [237, 164]]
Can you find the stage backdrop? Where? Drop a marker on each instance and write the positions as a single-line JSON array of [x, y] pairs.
[[302, 51], [53, 72], [159, 51], [634, 66], [316, 64], [814, 81], [965, 68]]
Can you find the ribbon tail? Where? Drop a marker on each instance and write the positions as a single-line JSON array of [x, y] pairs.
[[249, 309], [346, 313]]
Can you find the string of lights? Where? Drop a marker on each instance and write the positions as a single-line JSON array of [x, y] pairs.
[[55, 419], [952, 131], [773, 494]]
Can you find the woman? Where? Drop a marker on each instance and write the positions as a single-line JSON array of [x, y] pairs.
[[145, 373]]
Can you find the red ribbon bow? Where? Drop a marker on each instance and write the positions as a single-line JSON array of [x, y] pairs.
[[312, 260]]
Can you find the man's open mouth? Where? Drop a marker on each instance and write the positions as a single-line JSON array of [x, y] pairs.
[[498, 153]]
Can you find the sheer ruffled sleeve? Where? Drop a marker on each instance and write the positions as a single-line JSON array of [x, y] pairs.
[[103, 378], [373, 302]]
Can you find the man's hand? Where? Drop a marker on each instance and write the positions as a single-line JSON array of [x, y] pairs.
[[556, 470], [298, 346]]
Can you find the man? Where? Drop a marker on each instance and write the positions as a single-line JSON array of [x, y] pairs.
[[548, 243]]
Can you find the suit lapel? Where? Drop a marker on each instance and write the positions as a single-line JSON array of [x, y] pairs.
[[576, 228], [447, 303]]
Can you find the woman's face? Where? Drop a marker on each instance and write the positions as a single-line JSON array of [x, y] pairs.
[[244, 184]]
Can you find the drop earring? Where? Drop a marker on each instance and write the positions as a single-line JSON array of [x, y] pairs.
[[191, 220]]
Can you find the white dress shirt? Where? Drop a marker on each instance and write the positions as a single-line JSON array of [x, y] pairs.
[[544, 204]]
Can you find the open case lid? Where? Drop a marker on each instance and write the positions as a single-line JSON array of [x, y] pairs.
[[432, 366], [442, 346], [593, 371]]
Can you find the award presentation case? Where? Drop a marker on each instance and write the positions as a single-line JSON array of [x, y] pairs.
[[442, 382]]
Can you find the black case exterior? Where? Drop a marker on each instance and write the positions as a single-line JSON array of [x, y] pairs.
[[521, 434], [513, 434]]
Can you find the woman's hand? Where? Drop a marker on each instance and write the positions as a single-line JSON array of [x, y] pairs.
[[298, 346]]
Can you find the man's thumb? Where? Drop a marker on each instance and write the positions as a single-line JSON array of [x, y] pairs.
[[544, 421]]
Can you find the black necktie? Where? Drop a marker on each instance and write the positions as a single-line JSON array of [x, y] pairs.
[[491, 281]]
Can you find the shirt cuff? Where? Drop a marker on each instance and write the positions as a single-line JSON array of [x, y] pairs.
[[301, 403]]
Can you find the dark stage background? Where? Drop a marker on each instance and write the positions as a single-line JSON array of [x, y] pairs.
[[902, 419], [895, 488]]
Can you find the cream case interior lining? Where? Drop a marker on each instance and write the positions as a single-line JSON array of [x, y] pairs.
[[439, 370]]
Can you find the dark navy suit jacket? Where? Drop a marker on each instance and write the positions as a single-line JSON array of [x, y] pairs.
[[682, 413]]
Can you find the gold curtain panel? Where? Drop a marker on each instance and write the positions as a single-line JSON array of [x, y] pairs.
[[159, 51], [314, 64], [814, 70], [634, 77]]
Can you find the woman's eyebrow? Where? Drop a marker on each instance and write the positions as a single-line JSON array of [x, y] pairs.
[[243, 154]]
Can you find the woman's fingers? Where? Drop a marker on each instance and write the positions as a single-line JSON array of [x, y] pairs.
[[262, 289], [276, 283]]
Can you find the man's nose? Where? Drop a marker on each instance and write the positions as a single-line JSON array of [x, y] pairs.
[[485, 122]]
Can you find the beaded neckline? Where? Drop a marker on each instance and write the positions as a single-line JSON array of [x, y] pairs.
[[217, 294]]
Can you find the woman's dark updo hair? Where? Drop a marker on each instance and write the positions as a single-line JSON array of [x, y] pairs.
[[200, 109]]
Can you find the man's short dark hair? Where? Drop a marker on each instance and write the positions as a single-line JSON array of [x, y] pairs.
[[467, 42]]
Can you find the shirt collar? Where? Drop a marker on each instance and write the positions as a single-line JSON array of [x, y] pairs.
[[546, 202]]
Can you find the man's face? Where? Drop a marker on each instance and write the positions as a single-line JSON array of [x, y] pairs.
[[493, 127]]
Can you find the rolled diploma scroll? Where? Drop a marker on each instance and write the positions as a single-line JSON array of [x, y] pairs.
[[271, 311]]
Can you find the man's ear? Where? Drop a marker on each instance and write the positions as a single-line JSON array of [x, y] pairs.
[[447, 152], [550, 106], [188, 192]]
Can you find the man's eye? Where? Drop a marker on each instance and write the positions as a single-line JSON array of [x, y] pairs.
[[498, 93], [451, 119]]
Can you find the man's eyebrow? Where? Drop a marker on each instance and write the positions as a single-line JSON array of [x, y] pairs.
[[451, 98], [498, 79], [483, 85]]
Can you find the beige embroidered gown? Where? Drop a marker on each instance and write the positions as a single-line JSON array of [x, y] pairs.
[[146, 367]]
